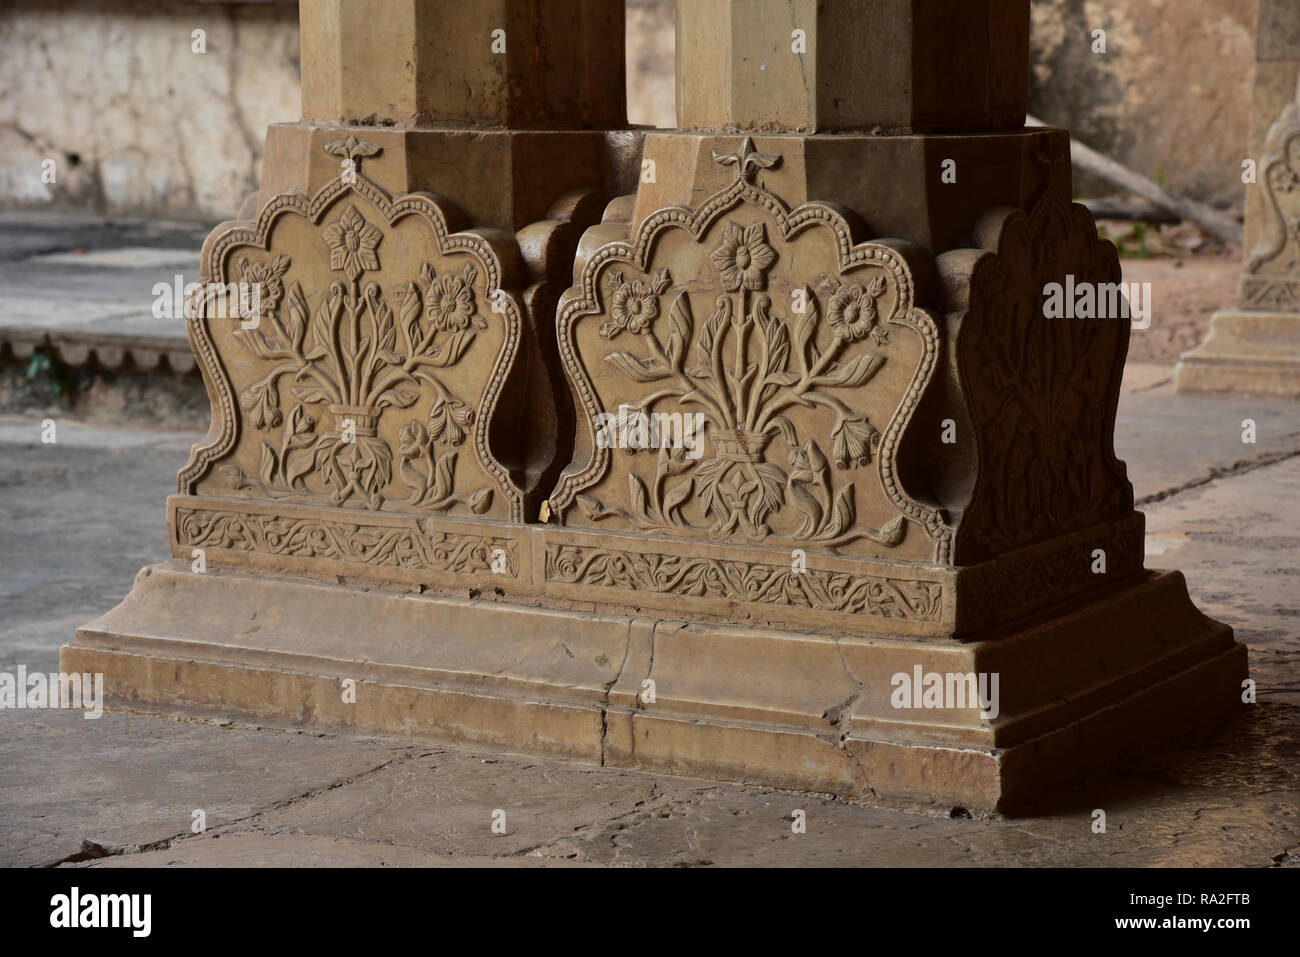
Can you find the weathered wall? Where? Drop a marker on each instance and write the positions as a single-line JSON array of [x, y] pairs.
[[134, 120], [1170, 97]]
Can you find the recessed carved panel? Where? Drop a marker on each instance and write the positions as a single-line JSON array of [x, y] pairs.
[[369, 376], [798, 351], [415, 546]]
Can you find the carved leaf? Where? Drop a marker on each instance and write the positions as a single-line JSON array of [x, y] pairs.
[[640, 370], [804, 329], [710, 475], [268, 463], [321, 333], [297, 467], [385, 329], [852, 374], [449, 353], [591, 506], [410, 317], [297, 316], [400, 398], [637, 498], [778, 346], [772, 482], [843, 515], [444, 475], [704, 345], [682, 327], [674, 500], [787, 430], [311, 393]]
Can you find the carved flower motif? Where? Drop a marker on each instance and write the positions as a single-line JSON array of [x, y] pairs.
[[352, 243], [852, 443], [266, 278], [635, 305], [853, 311], [744, 256], [450, 303], [262, 403]]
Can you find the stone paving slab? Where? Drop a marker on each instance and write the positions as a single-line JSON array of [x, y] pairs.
[[129, 781], [1236, 540], [1171, 441], [259, 850], [84, 288]]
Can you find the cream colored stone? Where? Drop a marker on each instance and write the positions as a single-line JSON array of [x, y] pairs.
[[504, 63], [155, 128], [784, 709], [826, 65]]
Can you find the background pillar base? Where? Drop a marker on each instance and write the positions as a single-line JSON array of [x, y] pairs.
[[1254, 352]]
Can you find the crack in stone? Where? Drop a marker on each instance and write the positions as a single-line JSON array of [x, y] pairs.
[[1231, 471], [609, 687], [91, 850], [838, 715]]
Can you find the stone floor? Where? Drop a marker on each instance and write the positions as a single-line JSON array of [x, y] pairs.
[[83, 289], [84, 514]]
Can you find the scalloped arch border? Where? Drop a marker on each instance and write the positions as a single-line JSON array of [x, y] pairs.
[[636, 253], [435, 210]]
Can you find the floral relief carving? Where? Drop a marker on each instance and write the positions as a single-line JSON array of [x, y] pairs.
[[740, 581], [1273, 267], [416, 546], [366, 390], [780, 370]]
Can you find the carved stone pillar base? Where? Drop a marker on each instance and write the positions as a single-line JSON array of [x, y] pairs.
[[1256, 352], [776, 707], [696, 480]]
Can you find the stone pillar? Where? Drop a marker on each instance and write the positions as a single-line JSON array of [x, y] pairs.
[[1256, 346], [825, 448]]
